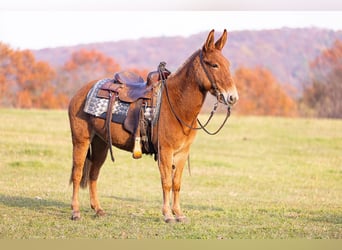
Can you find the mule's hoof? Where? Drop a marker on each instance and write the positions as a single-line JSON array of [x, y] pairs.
[[169, 219], [76, 216], [182, 219], [100, 213]]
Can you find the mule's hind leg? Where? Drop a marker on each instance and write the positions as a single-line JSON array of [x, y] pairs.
[[99, 154], [79, 156]]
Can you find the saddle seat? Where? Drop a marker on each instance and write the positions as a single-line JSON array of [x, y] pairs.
[[129, 78], [129, 87]]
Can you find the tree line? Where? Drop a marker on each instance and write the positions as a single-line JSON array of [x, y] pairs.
[[28, 83]]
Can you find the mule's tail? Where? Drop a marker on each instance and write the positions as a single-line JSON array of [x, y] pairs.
[[86, 170]]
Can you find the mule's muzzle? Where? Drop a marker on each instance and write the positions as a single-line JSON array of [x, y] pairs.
[[228, 99], [232, 99]]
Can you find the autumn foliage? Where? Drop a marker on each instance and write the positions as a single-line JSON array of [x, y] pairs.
[[28, 83], [24, 81], [82, 67], [261, 94], [323, 94]]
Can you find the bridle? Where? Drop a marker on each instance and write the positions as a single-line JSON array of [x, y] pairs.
[[219, 96]]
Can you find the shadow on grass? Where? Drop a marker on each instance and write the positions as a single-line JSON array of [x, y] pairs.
[[30, 203], [202, 207], [125, 199], [328, 218]]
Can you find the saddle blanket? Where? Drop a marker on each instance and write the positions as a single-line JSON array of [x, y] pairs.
[[98, 106]]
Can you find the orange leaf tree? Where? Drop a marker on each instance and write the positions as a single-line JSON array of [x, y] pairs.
[[261, 94], [6, 74], [84, 66], [323, 94], [22, 78]]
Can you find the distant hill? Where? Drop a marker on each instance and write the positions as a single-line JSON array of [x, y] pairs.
[[285, 52]]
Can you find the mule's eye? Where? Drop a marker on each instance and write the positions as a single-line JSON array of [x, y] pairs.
[[214, 65]]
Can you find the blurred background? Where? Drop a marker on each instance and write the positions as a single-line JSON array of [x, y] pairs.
[[286, 59]]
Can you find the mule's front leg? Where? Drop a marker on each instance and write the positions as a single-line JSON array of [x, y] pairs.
[[166, 185], [165, 168], [176, 209], [180, 160]]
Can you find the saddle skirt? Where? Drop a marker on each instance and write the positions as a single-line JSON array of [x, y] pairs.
[[98, 106], [132, 102]]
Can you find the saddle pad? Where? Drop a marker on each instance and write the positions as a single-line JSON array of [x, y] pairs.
[[98, 106]]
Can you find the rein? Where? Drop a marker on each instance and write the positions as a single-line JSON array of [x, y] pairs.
[[201, 126], [218, 94]]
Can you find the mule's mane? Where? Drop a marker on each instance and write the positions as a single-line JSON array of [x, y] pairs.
[[191, 58]]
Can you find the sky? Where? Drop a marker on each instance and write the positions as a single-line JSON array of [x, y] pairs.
[[72, 22]]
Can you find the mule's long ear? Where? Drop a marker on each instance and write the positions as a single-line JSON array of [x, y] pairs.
[[209, 44], [222, 41]]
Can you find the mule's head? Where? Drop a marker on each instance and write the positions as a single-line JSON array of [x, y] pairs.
[[216, 75]]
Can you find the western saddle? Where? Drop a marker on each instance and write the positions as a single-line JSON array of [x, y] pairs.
[[141, 96]]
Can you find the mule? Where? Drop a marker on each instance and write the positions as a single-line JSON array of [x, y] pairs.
[[206, 70]]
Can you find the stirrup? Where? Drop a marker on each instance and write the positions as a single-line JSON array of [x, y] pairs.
[[137, 148]]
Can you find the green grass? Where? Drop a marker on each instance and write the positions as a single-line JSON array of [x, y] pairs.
[[261, 177]]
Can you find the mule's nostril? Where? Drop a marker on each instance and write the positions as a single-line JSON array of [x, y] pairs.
[[232, 99]]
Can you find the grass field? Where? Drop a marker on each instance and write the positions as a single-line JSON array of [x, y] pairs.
[[261, 177]]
